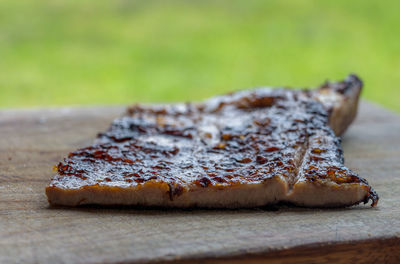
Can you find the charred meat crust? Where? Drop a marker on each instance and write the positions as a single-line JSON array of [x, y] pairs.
[[345, 87], [243, 139], [340, 100]]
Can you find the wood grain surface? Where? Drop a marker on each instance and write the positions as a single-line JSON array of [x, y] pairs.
[[32, 141]]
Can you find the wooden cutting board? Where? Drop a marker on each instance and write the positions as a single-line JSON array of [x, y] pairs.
[[32, 141]]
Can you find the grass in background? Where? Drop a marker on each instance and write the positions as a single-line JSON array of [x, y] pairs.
[[111, 52]]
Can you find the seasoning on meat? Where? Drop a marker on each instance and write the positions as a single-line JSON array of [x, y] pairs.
[[245, 149]]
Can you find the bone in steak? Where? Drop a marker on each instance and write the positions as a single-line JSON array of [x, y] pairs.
[[245, 149]]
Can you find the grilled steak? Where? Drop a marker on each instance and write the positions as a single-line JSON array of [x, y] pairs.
[[245, 149]]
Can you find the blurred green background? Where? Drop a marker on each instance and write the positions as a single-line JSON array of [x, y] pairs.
[[113, 52]]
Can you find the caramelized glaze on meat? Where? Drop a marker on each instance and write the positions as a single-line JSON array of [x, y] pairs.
[[242, 138]]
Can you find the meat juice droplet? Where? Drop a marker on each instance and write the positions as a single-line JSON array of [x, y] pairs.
[[261, 159], [245, 160]]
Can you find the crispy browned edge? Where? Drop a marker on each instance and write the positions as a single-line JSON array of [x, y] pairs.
[[344, 111]]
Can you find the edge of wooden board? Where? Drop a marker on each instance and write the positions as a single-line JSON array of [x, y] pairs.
[[381, 250]]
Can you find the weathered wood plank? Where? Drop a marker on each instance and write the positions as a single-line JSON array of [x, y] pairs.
[[32, 141]]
